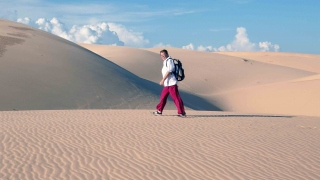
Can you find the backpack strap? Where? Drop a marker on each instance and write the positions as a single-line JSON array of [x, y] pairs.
[[173, 64], [167, 61]]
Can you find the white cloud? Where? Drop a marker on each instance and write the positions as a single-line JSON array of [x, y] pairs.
[[99, 33], [240, 43], [85, 34], [117, 34], [276, 47], [55, 27], [43, 24], [24, 20], [129, 37], [162, 45], [202, 48], [189, 47], [268, 46]]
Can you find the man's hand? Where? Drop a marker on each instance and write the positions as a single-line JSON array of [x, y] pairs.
[[161, 82], [164, 78]]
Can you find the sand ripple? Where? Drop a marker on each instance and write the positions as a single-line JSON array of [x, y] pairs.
[[133, 144]]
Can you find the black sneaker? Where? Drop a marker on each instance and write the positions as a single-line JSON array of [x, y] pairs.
[[182, 115], [157, 113]]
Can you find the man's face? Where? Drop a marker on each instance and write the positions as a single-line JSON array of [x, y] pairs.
[[163, 56]]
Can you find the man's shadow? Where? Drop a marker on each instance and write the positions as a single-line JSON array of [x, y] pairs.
[[233, 115]]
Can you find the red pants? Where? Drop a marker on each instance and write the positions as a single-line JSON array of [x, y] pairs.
[[174, 93]]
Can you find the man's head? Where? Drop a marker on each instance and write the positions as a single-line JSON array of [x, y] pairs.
[[164, 54]]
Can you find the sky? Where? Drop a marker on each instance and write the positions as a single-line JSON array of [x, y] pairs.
[[203, 25]]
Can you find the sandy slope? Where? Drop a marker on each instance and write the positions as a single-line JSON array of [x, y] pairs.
[[42, 71], [299, 96], [133, 144], [141, 62]]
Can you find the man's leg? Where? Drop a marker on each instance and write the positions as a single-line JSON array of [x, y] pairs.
[[163, 99], [174, 93]]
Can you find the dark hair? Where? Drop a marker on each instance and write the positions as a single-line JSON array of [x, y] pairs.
[[164, 51]]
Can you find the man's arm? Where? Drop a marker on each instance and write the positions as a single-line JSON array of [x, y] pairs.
[[164, 78]]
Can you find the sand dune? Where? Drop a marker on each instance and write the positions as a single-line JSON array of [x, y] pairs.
[[133, 144], [52, 73], [206, 72], [230, 83], [42, 71], [299, 97]]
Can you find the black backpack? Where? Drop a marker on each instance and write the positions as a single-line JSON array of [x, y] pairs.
[[178, 71]]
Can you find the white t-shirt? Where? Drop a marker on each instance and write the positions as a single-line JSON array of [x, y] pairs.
[[168, 66]]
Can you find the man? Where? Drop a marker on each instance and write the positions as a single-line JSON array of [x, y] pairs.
[[169, 82]]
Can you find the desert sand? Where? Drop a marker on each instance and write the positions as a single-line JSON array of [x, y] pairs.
[[133, 144], [83, 111]]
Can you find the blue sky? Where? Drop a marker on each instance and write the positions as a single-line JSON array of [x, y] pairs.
[[206, 25]]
